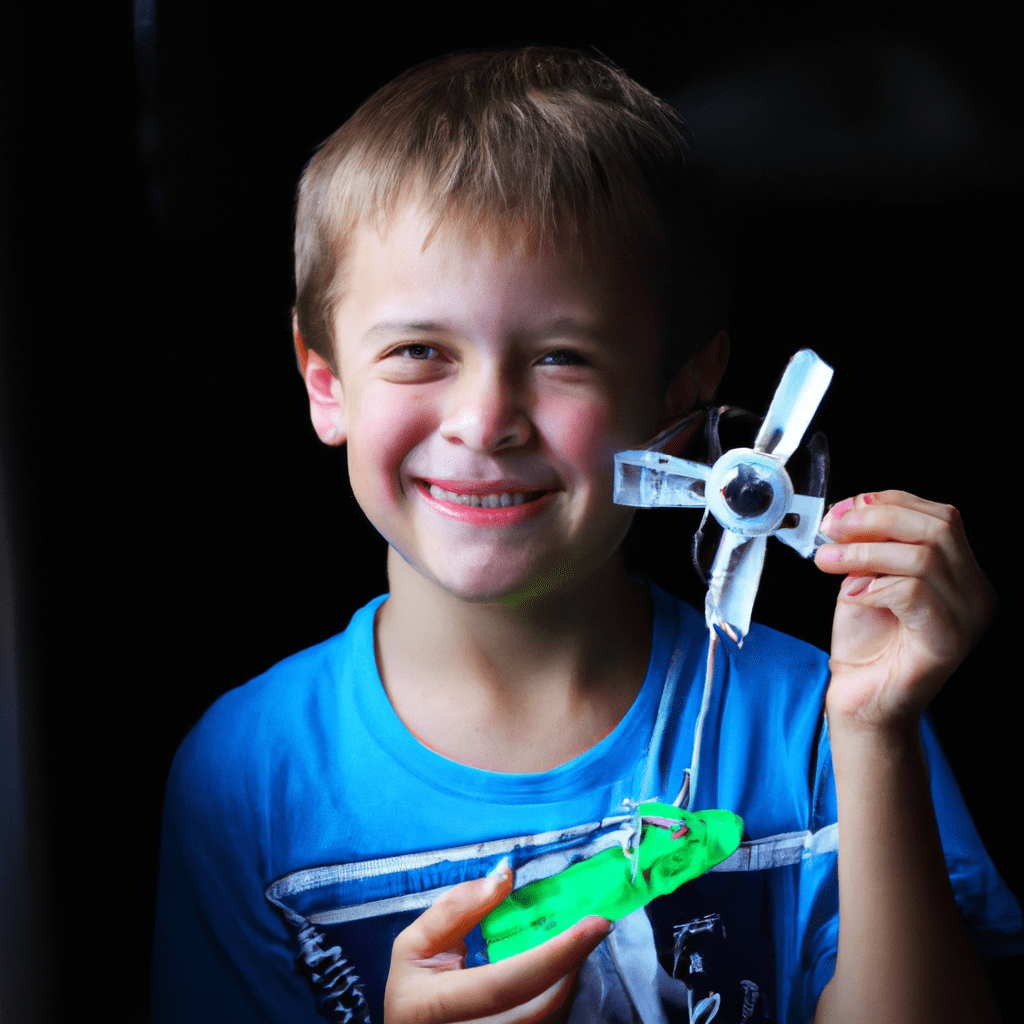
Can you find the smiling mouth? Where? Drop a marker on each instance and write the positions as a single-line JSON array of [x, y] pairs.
[[499, 499]]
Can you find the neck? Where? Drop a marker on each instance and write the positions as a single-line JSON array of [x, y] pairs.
[[513, 688]]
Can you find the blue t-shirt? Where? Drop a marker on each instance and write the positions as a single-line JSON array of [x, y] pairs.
[[304, 827]]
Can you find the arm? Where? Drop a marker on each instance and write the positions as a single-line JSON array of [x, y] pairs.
[[913, 604], [428, 982], [221, 954]]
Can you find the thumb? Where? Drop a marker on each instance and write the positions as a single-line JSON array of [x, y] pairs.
[[443, 926]]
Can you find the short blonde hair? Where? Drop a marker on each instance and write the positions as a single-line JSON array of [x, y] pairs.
[[528, 146]]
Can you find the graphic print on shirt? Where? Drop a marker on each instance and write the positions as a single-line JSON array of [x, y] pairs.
[[706, 950], [700, 949], [715, 951]]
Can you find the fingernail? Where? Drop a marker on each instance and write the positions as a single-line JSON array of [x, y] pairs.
[[501, 872], [859, 585], [603, 920], [840, 510]]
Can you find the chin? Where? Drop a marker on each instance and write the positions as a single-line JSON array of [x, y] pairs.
[[512, 590], [489, 591], [504, 580]]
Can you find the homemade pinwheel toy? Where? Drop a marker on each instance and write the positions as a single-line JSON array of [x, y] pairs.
[[747, 490]]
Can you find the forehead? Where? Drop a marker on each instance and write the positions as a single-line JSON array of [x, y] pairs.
[[414, 258]]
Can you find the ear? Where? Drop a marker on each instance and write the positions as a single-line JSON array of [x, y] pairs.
[[326, 399], [697, 382]]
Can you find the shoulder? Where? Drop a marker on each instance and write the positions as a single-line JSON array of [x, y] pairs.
[[768, 662], [249, 730], [791, 669], [246, 802]]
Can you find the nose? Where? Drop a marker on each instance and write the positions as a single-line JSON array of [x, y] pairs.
[[485, 412]]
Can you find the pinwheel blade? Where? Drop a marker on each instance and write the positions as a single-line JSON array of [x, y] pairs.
[[804, 537], [648, 479], [735, 575], [796, 399]]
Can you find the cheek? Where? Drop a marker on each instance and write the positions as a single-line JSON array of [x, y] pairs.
[[590, 433], [382, 437]]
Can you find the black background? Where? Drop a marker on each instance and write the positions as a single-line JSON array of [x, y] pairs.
[[175, 525]]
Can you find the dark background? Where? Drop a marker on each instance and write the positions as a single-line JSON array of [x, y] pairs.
[[171, 525]]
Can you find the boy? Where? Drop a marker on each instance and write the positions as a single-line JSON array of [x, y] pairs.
[[495, 296]]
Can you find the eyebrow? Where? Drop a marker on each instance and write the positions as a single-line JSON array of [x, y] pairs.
[[390, 327], [561, 325], [569, 325]]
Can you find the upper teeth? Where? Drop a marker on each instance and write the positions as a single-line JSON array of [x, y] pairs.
[[502, 500]]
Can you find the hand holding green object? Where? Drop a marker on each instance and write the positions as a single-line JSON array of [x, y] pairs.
[[674, 846]]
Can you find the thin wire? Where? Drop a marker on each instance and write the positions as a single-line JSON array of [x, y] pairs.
[[665, 710], [690, 783]]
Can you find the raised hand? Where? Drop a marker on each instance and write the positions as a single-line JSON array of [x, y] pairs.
[[913, 604], [429, 982]]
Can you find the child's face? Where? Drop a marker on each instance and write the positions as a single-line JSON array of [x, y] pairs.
[[469, 380]]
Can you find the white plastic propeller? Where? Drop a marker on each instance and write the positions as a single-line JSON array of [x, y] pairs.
[[747, 490]]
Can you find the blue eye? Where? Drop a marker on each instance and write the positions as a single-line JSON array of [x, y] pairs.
[[563, 357], [421, 352]]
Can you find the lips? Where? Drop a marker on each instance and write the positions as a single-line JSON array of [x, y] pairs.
[[485, 503]]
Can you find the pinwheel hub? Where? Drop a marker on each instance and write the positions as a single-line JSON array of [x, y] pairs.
[[749, 492]]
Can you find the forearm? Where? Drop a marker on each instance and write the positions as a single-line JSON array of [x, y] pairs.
[[904, 953]]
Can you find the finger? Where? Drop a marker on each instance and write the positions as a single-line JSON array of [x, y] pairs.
[[537, 1009], [497, 988], [950, 627], [907, 526], [873, 567], [894, 522], [452, 917], [933, 642], [453, 959], [893, 499], [911, 600], [915, 522], [883, 558], [924, 522]]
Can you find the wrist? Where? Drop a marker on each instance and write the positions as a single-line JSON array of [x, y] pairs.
[[862, 724], [879, 752]]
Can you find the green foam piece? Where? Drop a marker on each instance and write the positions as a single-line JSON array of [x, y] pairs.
[[603, 884]]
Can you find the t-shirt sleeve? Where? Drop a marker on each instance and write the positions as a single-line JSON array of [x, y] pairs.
[[220, 952], [990, 910]]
